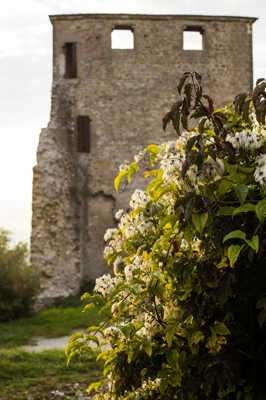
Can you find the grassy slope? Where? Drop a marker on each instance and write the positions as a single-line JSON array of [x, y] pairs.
[[53, 322], [35, 376]]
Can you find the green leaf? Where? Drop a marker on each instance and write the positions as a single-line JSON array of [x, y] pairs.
[[235, 235], [254, 243], [248, 207], [233, 253], [260, 210], [170, 333], [132, 170], [155, 183], [225, 186], [200, 221], [128, 173], [223, 263], [153, 150], [225, 211], [196, 337], [95, 386], [163, 190], [147, 347], [221, 329], [173, 359], [130, 356], [122, 174], [241, 191]]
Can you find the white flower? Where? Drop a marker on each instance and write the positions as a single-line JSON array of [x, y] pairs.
[[119, 214], [151, 384], [115, 307], [260, 171], [128, 271], [151, 325], [170, 311], [192, 173], [246, 140], [139, 157], [117, 265], [114, 245], [213, 169], [104, 285], [142, 332], [139, 199], [124, 166], [108, 250], [112, 332], [172, 166], [109, 234], [134, 225], [165, 149]]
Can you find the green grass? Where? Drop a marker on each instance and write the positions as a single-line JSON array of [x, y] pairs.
[[53, 322], [35, 376]]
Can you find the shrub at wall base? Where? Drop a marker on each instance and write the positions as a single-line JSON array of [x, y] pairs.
[[19, 283]]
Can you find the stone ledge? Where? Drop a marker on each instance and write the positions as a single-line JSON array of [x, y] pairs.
[[153, 17]]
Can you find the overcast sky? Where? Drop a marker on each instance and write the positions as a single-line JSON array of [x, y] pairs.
[[25, 80]]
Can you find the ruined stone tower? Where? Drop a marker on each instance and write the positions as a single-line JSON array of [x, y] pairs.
[[107, 103]]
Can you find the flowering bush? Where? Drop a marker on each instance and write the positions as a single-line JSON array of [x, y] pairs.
[[185, 307]]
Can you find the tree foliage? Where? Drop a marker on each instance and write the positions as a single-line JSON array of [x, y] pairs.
[[18, 282], [185, 310]]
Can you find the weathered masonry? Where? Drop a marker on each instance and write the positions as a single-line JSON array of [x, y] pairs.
[[114, 77]]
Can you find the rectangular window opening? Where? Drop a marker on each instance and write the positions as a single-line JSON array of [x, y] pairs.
[[83, 134], [70, 60], [193, 38], [122, 37]]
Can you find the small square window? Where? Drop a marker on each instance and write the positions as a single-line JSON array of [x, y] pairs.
[[122, 38], [193, 38]]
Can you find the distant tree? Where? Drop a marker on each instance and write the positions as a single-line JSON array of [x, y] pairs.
[[19, 283]]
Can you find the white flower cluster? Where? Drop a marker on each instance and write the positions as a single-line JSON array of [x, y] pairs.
[[247, 140], [105, 284], [151, 384], [133, 225], [213, 169], [150, 328], [148, 387], [260, 171], [112, 333], [115, 243], [171, 166], [109, 234], [137, 263], [170, 311], [139, 199], [171, 157]]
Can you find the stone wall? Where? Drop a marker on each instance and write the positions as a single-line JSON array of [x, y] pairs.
[[125, 93]]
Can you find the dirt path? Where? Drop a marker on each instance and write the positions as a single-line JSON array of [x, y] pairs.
[[42, 344]]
